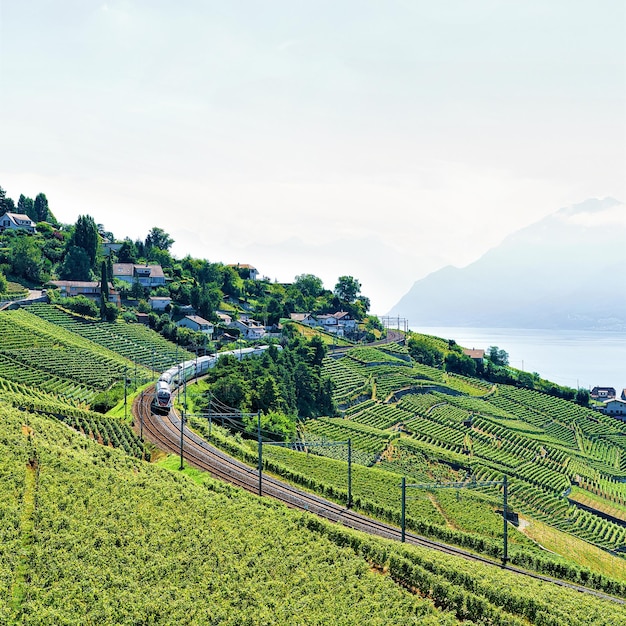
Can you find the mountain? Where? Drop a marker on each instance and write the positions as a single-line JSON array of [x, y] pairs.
[[565, 271]]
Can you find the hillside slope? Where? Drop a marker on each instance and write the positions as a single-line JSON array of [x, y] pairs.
[[92, 536]]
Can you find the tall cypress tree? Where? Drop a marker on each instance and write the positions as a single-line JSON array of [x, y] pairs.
[[104, 289]]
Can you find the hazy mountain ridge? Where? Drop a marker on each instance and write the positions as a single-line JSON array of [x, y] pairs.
[[565, 271]]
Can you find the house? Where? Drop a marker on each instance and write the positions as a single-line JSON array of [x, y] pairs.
[[345, 319], [244, 270], [327, 320], [303, 318], [89, 289], [159, 303], [478, 356], [16, 221], [603, 393], [623, 396], [225, 319], [143, 318], [197, 323], [337, 323], [110, 246], [249, 328], [615, 408], [330, 324], [146, 275]]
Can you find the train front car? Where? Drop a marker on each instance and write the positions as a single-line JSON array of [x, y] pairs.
[[162, 397]]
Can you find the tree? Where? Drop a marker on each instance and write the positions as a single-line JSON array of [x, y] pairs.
[[347, 289], [6, 204], [137, 291], [274, 424], [497, 356], [81, 305], [104, 289], [27, 260], [309, 285], [86, 236], [318, 350], [582, 395], [76, 265], [41, 212], [231, 390], [26, 206], [424, 352], [231, 282], [3, 283], [460, 363], [205, 298], [128, 252], [109, 312], [158, 238]]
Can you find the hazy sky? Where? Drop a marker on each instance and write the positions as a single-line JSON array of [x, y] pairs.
[[378, 139]]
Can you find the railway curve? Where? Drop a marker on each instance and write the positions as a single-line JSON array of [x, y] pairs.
[[164, 432]]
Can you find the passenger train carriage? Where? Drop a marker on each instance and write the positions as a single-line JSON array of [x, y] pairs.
[[175, 376]]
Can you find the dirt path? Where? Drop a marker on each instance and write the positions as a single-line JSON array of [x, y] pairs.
[[436, 504]]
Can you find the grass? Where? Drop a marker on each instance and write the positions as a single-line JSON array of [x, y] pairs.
[[331, 340], [575, 549], [172, 462], [118, 410]]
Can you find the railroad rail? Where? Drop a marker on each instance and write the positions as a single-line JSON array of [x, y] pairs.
[[164, 432]]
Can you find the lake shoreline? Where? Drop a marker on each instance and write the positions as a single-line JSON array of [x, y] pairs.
[[574, 358]]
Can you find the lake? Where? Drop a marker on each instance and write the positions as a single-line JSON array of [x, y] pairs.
[[572, 358]]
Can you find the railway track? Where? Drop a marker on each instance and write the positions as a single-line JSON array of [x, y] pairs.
[[164, 432]]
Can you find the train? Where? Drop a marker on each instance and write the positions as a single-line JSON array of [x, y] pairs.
[[176, 375]]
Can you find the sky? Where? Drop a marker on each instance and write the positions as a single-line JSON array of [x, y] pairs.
[[382, 140]]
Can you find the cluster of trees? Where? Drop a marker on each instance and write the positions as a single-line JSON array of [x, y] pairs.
[[73, 252], [36, 209], [282, 384], [430, 352], [495, 368]]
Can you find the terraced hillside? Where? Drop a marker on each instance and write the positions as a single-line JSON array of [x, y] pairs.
[[50, 370], [90, 535], [403, 419], [546, 446], [47, 356], [133, 341]]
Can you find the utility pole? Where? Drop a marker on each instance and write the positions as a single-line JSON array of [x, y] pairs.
[[505, 554], [209, 416], [125, 393], [182, 422], [403, 513], [258, 418], [349, 473]]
